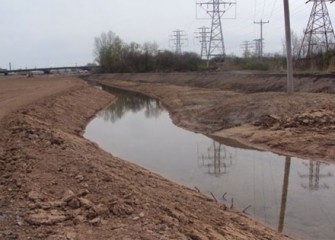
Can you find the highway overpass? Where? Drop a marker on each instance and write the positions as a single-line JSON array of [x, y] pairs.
[[49, 70]]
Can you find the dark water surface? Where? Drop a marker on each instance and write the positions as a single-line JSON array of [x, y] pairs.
[[291, 195]]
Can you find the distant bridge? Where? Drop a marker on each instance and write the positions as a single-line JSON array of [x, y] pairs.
[[49, 70]]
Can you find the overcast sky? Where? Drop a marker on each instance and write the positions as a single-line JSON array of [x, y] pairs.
[[46, 33]]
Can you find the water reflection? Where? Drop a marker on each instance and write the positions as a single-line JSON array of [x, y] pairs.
[[134, 103], [216, 159], [292, 195], [314, 175], [284, 194]]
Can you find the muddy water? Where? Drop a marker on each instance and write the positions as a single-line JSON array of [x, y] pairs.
[[291, 195]]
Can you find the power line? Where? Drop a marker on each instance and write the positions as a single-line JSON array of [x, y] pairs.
[[273, 8], [255, 10], [264, 3]]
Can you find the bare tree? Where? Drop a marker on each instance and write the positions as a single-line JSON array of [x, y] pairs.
[[296, 44]]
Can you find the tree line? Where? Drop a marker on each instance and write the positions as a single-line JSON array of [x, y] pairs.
[[114, 55]]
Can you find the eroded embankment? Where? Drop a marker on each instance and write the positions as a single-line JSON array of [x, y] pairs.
[[302, 124], [55, 184]]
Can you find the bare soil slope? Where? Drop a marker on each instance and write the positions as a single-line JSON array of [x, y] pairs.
[[55, 184]]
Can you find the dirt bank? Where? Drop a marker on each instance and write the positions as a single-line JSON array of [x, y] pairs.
[[247, 107], [55, 184], [245, 82]]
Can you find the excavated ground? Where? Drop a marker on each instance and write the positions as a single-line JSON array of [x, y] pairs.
[[56, 185]]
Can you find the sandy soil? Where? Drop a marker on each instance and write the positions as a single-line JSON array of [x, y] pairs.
[[55, 184], [247, 107]]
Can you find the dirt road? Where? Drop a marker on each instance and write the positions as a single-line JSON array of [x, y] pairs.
[[16, 93], [247, 107], [55, 184]]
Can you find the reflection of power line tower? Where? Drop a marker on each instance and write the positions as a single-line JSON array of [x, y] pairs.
[[217, 160], [178, 39], [319, 34], [216, 9], [314, 176], [202, 36]]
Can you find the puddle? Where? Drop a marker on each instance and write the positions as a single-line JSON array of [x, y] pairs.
[[291, 195]]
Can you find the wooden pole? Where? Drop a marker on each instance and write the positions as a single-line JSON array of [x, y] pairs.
[[290, 85]]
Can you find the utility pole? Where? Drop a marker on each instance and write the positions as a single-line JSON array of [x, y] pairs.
[[261, 23], [178, 39], [202, 36], [319, 35], [216, 9], [290, 84]]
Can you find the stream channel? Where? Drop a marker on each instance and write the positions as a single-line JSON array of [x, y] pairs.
[[291, 195]]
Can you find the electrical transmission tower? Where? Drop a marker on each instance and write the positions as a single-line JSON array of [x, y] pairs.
[[261, 48], [178, 39], [203, 36], [319, 35], [246, 46], [258, 47], [216, 9]]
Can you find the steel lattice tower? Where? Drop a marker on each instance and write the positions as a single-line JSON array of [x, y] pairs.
[[246, 45], [319, 34], [203, 36], [216, 9], [216, 43], [258, 47], [178, 39]]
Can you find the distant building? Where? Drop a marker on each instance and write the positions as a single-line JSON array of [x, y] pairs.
[[3, 71]]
